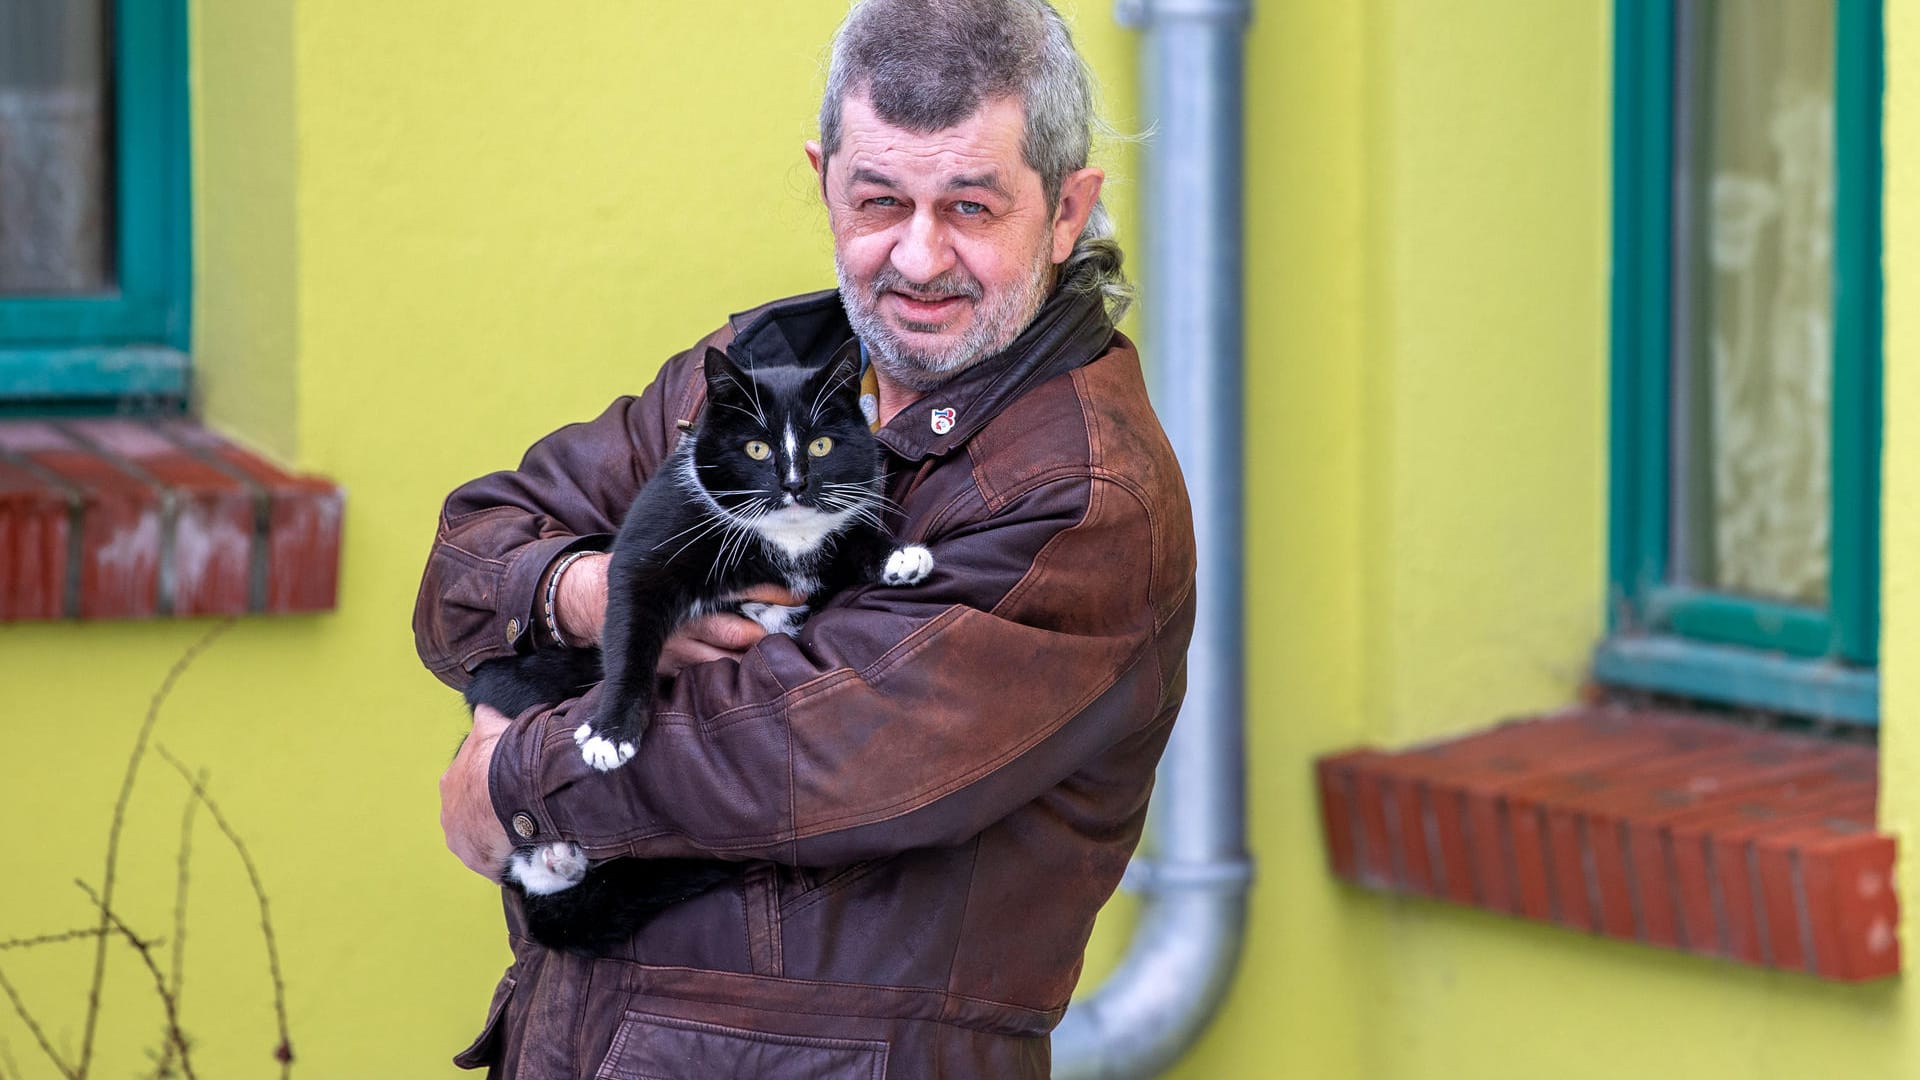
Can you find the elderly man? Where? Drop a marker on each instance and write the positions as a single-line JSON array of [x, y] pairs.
[[932, 789]]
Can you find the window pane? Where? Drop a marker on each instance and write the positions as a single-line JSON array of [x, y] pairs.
[[1753, 297], [55, 134]]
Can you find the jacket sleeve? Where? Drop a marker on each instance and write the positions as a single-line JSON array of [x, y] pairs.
[[899, 717], [498, 534]]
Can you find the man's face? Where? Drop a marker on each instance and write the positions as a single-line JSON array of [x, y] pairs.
[[944, 242]]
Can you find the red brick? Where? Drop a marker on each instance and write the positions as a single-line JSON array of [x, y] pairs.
[[1553, 886], [34, 526], [1339, 809], [120, 521], [1692, 835], [303, 523], [1796, 884], [210, 568]]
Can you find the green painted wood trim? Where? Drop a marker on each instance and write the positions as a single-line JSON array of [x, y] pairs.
[[1637, 425], [152, 203], [1859, 64], [1640, 597], [37, 375], [1815, 688], [1737, 620]]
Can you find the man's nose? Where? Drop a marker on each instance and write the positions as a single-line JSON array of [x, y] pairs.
[[926, 251]]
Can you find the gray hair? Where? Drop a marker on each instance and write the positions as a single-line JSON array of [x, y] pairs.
[[926, 65]]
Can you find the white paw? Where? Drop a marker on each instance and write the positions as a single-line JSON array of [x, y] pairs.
[[548, 868], [775, 618], [908, 566], [604, 754], [581, 734]]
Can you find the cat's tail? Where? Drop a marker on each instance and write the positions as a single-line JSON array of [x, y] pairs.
[[514, 684]]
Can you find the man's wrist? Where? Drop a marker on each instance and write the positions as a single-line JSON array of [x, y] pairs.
[[580, 598]]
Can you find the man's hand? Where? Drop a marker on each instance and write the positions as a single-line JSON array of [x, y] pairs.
[[466, 808], [721, 635], [580, 605]]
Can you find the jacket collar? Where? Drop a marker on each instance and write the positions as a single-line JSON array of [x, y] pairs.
[[1070, 330]]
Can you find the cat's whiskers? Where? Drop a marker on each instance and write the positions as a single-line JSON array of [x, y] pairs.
[[752, 394]]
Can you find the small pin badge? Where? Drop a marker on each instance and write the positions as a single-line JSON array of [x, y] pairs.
[[870, 408], [942, 421]]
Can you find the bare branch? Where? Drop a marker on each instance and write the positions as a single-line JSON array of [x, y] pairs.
[[113, 834], [175, 1036], [33, 1027], [52, 939], [284, 1052], [176, 981]]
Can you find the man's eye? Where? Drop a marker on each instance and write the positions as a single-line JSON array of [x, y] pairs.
[[820, 447], [970, 209], [885, 202], [758, 450]]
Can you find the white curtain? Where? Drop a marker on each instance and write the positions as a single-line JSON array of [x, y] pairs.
[[1767, 287]]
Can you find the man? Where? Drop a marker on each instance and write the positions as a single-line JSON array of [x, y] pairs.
[[934, 788]]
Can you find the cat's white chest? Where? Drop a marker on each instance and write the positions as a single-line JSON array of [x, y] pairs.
[[797, 531]]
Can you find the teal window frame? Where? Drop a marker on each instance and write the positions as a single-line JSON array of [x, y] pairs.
[[1715, 646], [132, 342]]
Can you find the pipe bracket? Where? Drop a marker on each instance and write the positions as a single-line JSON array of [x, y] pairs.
[[1140, 14], [1148, 876]]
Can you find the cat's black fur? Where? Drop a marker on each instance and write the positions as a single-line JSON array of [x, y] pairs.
[[742, 501]]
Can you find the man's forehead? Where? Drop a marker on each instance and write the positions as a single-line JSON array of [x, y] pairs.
[[985, 149]]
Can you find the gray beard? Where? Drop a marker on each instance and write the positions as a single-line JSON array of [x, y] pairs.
[[993, 327]]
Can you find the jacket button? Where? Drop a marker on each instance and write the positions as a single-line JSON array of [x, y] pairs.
[[513, 630], [523, 824]]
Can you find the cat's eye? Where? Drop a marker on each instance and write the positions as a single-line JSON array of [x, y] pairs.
[[759, 451], [820, 447]]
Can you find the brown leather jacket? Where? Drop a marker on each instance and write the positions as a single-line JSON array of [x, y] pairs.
[[937, 787]]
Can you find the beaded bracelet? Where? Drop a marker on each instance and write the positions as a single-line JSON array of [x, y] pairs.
[[553, 593]]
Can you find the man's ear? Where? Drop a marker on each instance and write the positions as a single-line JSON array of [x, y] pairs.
[[1079, 191], [818, 160]]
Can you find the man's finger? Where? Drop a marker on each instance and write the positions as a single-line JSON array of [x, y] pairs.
[[774, 594]]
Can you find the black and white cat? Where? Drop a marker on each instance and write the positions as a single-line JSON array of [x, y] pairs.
[[780, 483]]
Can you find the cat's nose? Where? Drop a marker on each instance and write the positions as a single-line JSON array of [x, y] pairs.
[[794, 487]]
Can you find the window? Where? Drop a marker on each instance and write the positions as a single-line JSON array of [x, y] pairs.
[[94, 259], [1744, 561]]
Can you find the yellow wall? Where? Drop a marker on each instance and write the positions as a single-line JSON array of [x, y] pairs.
[[427, 234], [1426, 407], [430, 232]]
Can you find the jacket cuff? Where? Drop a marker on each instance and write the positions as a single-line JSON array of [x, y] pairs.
[[521, 604], [514, 784]]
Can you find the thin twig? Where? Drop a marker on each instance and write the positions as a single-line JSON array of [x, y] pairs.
[[144, 947], [6, 1056], [113, 834], [51, 939], [179, 951], [284, 1052], [39, 1036]]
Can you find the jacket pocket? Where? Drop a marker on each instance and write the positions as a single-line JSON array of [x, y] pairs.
[[485, 1047], [649, 1047]]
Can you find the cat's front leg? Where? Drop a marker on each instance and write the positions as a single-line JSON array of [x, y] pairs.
[[547, 868], [908, 565]]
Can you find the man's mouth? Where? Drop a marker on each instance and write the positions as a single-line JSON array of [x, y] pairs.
[[927, 309]]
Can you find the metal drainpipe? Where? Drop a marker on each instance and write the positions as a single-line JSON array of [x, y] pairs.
[[1194, 883]]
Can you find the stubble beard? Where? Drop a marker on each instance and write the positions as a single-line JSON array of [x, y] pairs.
[[994, 325]]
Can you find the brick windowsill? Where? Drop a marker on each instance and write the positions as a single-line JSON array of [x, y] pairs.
[[1671, 829], [133, 518]]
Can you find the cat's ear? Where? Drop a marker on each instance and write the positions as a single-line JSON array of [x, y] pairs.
[[723, 378], [840, 372]]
